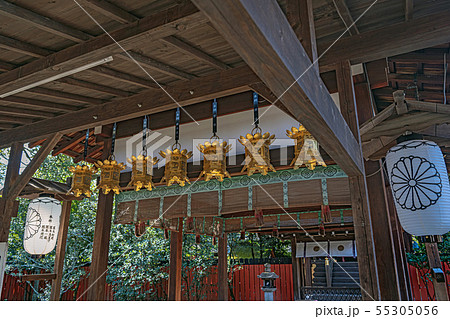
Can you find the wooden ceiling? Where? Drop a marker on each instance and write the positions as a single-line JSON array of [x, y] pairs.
[[177, 47]]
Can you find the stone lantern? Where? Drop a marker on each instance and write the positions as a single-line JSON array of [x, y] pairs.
[[268, 279]]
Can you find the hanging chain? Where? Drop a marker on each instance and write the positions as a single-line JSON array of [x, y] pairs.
[[177, 128], [144, 136], [113, 141], [255, 113], [214, 123], [86, 144]]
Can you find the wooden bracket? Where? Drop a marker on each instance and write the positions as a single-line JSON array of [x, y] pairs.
[[400, 103], [31, 277]]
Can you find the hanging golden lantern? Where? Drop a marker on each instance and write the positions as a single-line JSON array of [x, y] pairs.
[[175, 170], [306, 148], [257, 155], [109, 175], [142, 172], [215, 160], [81, 180]]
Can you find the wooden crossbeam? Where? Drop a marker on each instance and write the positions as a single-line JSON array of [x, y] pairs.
[[124, 77], [33, 165], [24, 112], [66, 95], [391, 40], [409, 9], [91, 151], [150, 101], [41, 22], [155, 26], [15, 119], [39, 104], [23, 47], [110, 10], [5, 66], [289, 76], [33, 277], [94, 86], [195, 52], [346, 16], [65, 145]]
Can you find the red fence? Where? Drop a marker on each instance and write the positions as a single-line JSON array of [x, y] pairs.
[[245, 285]]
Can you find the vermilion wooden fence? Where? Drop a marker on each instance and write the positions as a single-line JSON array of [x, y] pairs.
[[246, 286]]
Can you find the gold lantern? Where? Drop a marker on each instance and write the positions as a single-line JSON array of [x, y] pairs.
[[215, 160], [81, 180], [142, 172], [257, 155], [109, 175], [175, 170], [306, 148]]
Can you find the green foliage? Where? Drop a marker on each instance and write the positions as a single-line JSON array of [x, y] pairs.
[[257, 246]]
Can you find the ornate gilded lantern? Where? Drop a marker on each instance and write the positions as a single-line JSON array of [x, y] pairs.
[[257, 155], [142, 172], [175, 170], [109, 175], [81, 180], [214, 153], [306, 149], [215, 160], [110, 170], [82, 174]]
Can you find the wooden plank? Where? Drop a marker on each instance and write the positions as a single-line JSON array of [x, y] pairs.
[[33, 277], [176, 254], [110, 10], [66, 95], [395, 39], [440, 287], [400, 103], [124, 77], [5, 66], [97, 278], [368, 272], [346, 16], [33, 165], [65, 145], [12, 172], [222, 268], [156, 65], [23, 47], [94, 87], [152, 27], [61, 251], [195, 52], [14, 111], [44, 105], [44, 23], [296, 280], [197, 90], [381, 225], [409, 9], [307, 97]]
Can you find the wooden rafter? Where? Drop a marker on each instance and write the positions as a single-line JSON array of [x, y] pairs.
[[38, 104], [346, 16], [150, 101], [41, 22], [72, 141], [110, 10], [301, 90], [155, 26], [391, 40], [24, 112], [95, 87], [65, 95], [409, 9]]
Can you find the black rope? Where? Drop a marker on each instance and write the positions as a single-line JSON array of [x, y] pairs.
[[177, 125], [255, 109], [214, 111], [144, 136], [113, 141], [86, 144]]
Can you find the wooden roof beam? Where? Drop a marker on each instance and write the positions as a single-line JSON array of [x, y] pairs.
[[156, 65], [195, 52], [23, 47], [41, 22], [152, 27], [346, 16], [5, 66], [24, 112], [124, 77], [15, 119], [389, 41], [38, 104], [409, 9], [110, 10], [94, 87], [150, 101], [254, 32], [65, 95], [72, 141]]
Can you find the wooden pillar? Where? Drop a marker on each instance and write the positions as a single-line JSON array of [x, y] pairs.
[[61, 251], [97, 278], [8, 208], [439, 284], [368, 273], [379, 211], [307, 271], [222, 268], [176, 259], [296, 275]]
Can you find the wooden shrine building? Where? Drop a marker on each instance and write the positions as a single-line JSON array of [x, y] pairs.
[[357, 74]]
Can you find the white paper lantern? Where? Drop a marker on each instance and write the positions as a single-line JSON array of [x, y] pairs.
[[42, 225], [419, 183]]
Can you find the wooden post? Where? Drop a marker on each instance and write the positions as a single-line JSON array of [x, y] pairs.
[[307, 272], [97, 278], [440, 287], [222, 268], [368, 273], [379, 212], [61, 251], [176, 259], [296, 276], [7, 207]]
